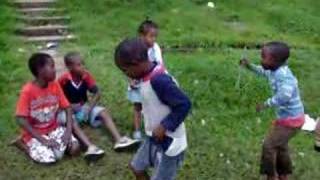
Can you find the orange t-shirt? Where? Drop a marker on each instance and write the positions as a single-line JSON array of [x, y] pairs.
[[40, 107]]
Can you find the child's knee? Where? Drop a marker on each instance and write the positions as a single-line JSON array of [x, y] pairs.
[[136, 172]]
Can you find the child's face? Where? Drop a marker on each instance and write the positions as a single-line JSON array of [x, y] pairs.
[[268, 61], [151, 36], [134, 71], [77, 66], [48, 72]]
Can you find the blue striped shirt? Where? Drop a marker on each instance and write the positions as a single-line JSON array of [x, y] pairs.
[[286, 96]]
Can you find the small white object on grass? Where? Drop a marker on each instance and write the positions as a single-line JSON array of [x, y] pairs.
[[211, 4], [301, 154], [21, 50], [203, 122], [309, 123]]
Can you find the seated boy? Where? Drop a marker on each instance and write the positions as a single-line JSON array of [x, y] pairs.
[[44, 139], [165, 107], [76, 83]]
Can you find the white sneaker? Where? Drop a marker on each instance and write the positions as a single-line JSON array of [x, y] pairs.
[[125, 142], [93, 153]]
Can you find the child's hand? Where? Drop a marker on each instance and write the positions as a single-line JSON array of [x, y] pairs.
[[260, 107], [66, 138], [244, 63], [159, 133], [51, 144], [86, 112]]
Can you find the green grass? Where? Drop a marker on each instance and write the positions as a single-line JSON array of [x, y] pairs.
[[228, 145], [13, 69]]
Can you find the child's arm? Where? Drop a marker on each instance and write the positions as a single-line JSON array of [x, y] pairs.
[[282, 96], [67, 135], [170, 94], [95, 98], [158, 54], [23, 123], [254, 68]]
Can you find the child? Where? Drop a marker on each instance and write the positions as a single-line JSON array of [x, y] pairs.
[[44, 140], [148, 32], [75, 84], [317, 137], [165, 107], [275, 161]]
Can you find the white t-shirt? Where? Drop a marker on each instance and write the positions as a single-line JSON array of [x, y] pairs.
[[155, 54]]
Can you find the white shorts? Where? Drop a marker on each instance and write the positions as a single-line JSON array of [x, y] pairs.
[[43, 154]]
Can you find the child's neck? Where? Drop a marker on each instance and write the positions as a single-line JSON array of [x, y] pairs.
[[41, 83], [75, 76], [149, 67]]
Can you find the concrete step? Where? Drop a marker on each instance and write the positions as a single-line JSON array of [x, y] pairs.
[[34, 3], [40, 11], [44, 20], [45, 39], [49, 30]]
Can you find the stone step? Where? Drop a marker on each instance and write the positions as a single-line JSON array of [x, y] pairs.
[[45, 39], [34, 3], [40, 11], [48, 30], [44, 20]]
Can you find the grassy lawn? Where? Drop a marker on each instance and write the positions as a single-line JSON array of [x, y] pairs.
[[225, 133]]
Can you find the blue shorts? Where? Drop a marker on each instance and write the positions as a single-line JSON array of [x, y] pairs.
[[152, 155], [94, 119]]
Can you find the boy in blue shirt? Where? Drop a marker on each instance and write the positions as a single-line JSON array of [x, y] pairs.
[[275, 161], [164, 107]]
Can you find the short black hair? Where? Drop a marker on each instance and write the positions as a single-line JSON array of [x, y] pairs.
[[146, 25], [280, 51], [130, 51], [69, 57], [38, 61]]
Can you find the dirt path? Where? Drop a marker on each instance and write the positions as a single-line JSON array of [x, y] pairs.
[[44, 24]]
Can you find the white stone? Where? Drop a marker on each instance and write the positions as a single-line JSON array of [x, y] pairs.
[[211, 4]]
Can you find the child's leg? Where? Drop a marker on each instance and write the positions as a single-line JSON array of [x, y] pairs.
[[40, 153], [83, 138], [317, 137], [98, 116], [166, 167], [142, 160], [284, 164], [109, 124], [283, 177], [273, 162], [137, 116], [140, 175]]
